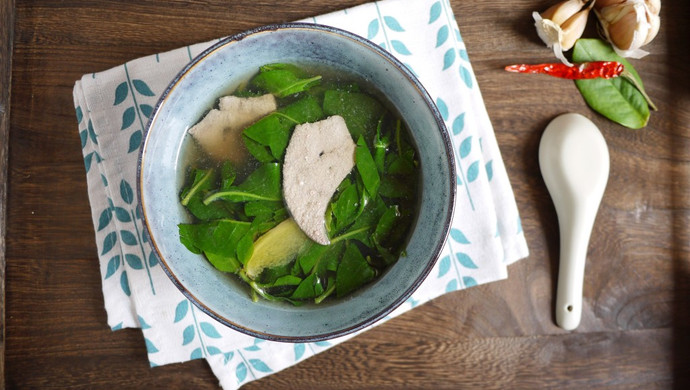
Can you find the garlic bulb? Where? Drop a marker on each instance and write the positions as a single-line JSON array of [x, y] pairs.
[[562, 24], [629, 24]]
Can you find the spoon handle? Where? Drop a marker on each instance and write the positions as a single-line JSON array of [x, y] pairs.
[[575, 230]]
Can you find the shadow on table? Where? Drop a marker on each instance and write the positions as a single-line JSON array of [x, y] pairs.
[[677, 35]]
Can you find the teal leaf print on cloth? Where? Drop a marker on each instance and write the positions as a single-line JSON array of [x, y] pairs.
[[241, 372], [188, 335], [393, 24], [489, 169], [142, 88], [113, 266], [134, 141], [124, 283], [196, 354], [146, 110], [133, 261], [373, 29], [92, 133], [181, 311], [209, 330], [126, 192], [121, 93], [105, 218], [84, 137], [80, 114], [458, 236], [109, 242], [299, 351], [466, 147], [469, 281], [128, 238], [448, 58], [473, 172], [259, 365], [435, 12], [452, 285], [463, 53], [466, 76], [122, 214], [465, 260], [128, 118], [442, 108], [458, 124], [400, 47], [142, 323], [444, 266], [150, 348], [89, 158], [442, 35], [153, 260]]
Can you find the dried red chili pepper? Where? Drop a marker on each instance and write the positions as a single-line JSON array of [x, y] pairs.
[[585, 70]]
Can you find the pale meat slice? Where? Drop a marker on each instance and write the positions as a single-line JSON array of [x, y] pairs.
[[220, 132], [319, 156]]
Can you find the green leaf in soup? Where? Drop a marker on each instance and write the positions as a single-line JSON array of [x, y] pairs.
[[306, 289], [616, 98], [260, 207], [203, 181], [310, 256], [318, 258], [224, 263], [400, 164], [283, 81], [360, 111], [261, 185], [287, 280], [353, 271], [245, 247], [228, 174], [367, 167], [269, 276], [364, 224], [381, 144], [272, 132], [217, 239], [395, 187], [260, 152], [385, 224], [345, 208]]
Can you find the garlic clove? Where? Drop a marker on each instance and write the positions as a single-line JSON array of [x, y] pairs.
[[573, 29], [559, 13], [653, 6], [654, 23], [562, 24], [629, 24], [625, 32]]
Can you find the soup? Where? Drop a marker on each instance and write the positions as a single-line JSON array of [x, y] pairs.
[[302, 182]]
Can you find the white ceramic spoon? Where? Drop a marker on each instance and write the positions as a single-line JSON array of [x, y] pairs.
[[574, 162]]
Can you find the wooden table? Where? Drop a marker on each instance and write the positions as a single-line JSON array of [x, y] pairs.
[[635, 326]]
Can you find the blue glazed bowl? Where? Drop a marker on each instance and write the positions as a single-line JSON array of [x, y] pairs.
[[217, 71]]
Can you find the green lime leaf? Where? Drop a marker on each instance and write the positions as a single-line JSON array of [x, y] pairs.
[[617, 98]]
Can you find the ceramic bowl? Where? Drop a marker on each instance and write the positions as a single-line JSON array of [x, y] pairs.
[[219, 70]]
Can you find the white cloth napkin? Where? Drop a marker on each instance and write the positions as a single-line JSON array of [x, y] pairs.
[[113, 107]]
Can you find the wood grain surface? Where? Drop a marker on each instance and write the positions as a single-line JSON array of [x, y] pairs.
[[635, 328], [6, 40]]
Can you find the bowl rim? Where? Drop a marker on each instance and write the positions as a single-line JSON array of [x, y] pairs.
[[444, 134]]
